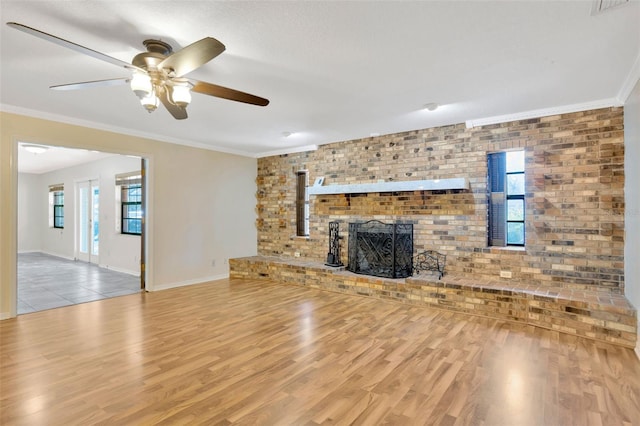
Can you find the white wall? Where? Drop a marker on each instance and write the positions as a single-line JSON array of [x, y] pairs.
[[117, 251], [30, 207], [211, 205], [632, 199]]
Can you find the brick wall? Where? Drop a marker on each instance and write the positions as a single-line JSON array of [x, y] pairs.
[[574, 197]]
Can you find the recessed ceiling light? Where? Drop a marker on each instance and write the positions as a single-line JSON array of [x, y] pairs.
[[431, 106], [35, 149]]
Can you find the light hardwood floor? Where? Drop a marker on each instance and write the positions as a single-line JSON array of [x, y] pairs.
[[254, 352]]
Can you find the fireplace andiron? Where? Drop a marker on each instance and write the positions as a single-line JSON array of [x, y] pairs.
[[333, 257]]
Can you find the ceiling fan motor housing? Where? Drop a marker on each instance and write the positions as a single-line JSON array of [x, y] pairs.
[[157, 46], [156, 52]]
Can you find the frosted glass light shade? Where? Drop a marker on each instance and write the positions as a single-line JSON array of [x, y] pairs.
[[150, 102], [141, 84], [181, 95]]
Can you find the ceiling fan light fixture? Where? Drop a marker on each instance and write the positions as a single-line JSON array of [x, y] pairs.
[[181, 95], [141, 84], [150, 102], [157, 73]]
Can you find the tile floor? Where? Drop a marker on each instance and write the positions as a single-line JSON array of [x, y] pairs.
[[46, 282]]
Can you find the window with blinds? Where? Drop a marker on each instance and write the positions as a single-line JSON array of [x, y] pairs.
[[506, 213], [56, 206], [129, 198], [302, 204]]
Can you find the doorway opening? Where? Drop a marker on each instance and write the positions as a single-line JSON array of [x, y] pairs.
[[78, 255]]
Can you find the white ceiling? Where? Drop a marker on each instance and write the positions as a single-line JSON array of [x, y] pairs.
[[55, 158], [332, 70]]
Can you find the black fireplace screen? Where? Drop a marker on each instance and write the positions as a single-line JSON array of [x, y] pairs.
[[381, 249]]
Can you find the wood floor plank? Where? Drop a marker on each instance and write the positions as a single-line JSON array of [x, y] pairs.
[[254, 352]]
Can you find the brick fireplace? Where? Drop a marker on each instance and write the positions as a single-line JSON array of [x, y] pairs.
[[574, 179], [574, 197]]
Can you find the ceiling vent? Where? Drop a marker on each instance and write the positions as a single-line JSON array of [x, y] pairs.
[[600, 6]]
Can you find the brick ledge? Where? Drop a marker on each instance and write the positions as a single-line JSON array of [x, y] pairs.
[[597, 314]]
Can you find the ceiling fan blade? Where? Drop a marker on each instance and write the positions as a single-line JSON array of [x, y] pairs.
[[90, 84], [226, 93], [193, 56], [73, 46], [178, 113]]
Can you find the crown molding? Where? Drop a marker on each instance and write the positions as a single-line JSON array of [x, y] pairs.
[[291, 150], [12, 109], [630, 81], [525, 115]]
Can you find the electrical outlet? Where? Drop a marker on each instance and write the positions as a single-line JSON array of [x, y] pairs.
[[505, 274]]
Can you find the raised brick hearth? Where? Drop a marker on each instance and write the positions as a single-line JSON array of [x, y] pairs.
[[591, 312]]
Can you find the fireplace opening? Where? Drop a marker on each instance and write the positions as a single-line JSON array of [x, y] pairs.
[[381, 249]]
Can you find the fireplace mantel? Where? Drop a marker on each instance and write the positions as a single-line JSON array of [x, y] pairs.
[[411, 185]]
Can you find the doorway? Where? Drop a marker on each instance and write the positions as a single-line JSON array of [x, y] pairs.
[[88, 221], [79, 256]]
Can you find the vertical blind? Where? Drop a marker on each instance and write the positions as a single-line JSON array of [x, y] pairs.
[[301, 203], [497, 167]]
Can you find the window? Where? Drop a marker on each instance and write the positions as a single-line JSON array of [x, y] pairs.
[[56, 206], [129, 192], [506, 198], [302, 204]]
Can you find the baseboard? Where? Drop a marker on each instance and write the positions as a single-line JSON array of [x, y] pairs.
[[112, 268], [5, 315], [190, 282], [49, 253], [57, 255], [124, 271]]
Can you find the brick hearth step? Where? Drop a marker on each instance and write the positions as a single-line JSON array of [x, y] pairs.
[[586, 312]]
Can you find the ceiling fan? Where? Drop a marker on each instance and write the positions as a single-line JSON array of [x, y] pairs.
[[158, 75]]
